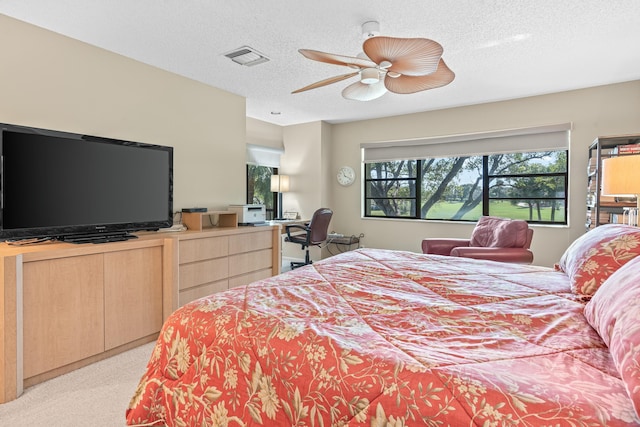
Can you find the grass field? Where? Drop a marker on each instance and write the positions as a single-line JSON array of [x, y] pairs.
[[446, 210]]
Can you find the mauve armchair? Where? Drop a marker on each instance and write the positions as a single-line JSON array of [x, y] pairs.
[[493, 238]]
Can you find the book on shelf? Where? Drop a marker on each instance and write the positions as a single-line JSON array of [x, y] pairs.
[[592, 166], [629, 149], [604, 218]]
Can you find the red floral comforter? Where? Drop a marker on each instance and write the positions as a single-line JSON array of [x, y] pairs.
[[385, 338]]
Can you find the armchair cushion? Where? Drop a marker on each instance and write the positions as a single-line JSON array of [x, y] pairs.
[[494, 232], [442, 246], [513, 255]]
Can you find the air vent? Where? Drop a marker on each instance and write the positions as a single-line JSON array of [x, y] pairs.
[[246, 56]]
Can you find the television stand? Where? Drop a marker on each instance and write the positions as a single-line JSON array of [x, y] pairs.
[[97, 238]]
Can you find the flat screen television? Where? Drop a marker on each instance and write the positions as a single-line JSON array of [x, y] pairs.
[[81, 188]]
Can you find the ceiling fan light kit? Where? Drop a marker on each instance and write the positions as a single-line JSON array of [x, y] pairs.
[[369, 76], [398, 65], [362, 92]]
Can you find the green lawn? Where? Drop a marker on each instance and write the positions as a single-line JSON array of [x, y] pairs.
[[446, 210], [503, 209]]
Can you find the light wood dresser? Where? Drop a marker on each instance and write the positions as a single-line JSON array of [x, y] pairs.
[[218, 259], [64, 306]]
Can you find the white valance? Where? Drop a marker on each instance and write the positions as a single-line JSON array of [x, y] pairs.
[[264, 156], [541, 138]]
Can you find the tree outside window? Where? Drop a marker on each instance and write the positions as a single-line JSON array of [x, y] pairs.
[[259, 188]]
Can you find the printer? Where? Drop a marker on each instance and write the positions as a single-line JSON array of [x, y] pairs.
[[249, 214]]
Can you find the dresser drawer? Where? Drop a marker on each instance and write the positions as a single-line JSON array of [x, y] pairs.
[[242, 243], [198, 273], [201, 249], [245, 279], [248, 262]]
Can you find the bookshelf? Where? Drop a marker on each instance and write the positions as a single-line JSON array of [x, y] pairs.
[[607, 209]]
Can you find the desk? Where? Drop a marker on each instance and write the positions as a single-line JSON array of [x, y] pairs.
[[284, 222], [343, 243]]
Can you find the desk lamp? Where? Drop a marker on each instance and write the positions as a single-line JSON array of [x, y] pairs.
[[621, 177], [279, 184]]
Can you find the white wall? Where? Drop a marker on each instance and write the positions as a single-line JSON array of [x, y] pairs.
[[55, 82], [600, 111]]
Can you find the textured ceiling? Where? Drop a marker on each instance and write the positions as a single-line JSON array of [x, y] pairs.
[[499, 49]]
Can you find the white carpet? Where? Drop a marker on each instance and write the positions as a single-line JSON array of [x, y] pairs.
[[96, 395]]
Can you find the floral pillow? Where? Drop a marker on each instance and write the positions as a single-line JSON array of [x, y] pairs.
[[594, 256], [614, 311]]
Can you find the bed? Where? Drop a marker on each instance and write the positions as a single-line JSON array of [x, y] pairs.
[[390, 338]]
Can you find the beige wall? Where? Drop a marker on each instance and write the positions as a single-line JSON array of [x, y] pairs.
[[306, 161], [302, 161], [54, 82], [606, 110], [51, 81], [264, 134]]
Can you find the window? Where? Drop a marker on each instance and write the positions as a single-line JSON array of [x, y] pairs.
[[520, 184], [259, 188], [390, 189], [530, 186], [262, 162]]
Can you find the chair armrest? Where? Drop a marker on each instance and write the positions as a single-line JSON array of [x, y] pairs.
[[438, 246], [513, 255], [299, 229]]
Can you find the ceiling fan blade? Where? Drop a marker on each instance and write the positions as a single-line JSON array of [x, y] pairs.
[[410, 57], [331, 58], [363, 92], [411, 84], [326, 82]]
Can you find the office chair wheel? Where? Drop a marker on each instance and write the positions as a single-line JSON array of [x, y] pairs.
[[295, 265]]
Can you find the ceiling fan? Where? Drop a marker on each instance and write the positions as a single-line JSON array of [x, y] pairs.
[[398, 65]]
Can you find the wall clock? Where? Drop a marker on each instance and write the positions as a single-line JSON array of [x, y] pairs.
[[346, 176]]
